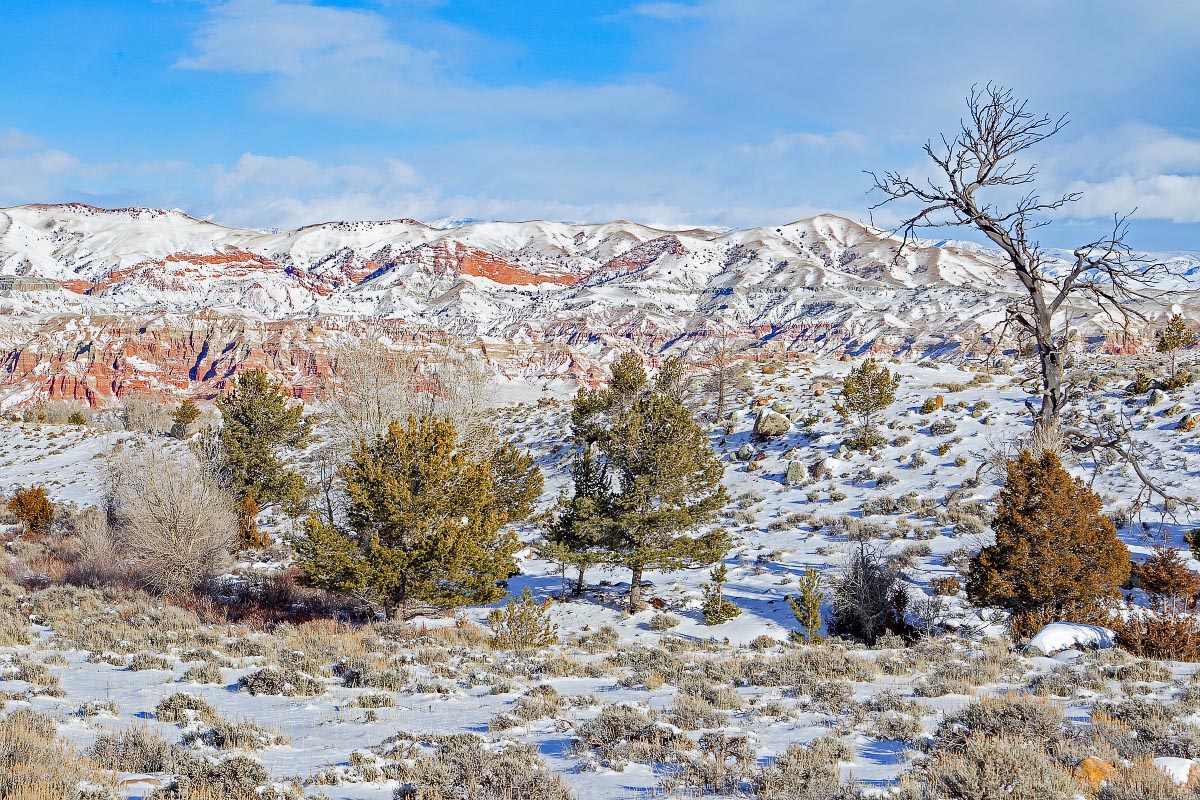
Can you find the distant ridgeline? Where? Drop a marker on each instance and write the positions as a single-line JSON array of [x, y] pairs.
[[27, 283]]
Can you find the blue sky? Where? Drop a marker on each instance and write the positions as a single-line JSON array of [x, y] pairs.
[[274, 113]]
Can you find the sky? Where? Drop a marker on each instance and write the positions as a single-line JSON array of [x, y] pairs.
[[735, 113]]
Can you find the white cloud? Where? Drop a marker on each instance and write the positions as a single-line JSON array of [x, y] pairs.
[[835, 141], [339, 62], [292, 173], [1170, 197], [17, 141], [292, 38], [32, 170]]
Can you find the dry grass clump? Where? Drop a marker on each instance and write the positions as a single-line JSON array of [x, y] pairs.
[[692, 713], [463, 767], [602, 640], [1130, 729], [208, 672], [244, 735], [134, 749], [148, 661], [277, 681], [988, 768], [1141, 780], [808, 666], [370, 672], [1065, 681], [541, 702], [327, 641], [1015, 717], [184, 708], [36, 765], [806, 773], [111, 620], [719, 767], [33, 672], [1141, 671], [558, 665], [623, 734], [235, 778], [14, 625]]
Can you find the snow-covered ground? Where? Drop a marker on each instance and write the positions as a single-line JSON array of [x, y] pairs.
[[779, 531]]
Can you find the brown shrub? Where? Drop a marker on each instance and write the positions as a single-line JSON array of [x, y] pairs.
[[33, 508], [1166, 578], [947, 586], [1166, 633], [1054, 548]]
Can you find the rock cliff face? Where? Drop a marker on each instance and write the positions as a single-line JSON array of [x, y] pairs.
[[157, 300]]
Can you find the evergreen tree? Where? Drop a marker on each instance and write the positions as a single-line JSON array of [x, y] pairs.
[[867, 390], [425, 521], [593, 409], [1165, 577], [33, 509], [577, 532], [1054, 548], [645, 478], [807, 607], [716, 608], [183, 419], [669, 482], [1177, 335], [260, 424]]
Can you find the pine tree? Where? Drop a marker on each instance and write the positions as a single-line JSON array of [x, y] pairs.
[[1054, 548], [867, 390], [260, 424], [183, 419], [593, 409], [716, 608], [577, 531], [807, 607], [1177, 335], [425, 521], [669, 483], [645, 477]]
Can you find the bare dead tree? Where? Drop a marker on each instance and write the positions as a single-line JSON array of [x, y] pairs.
[[377, 385], [979, 168], [723, 369]]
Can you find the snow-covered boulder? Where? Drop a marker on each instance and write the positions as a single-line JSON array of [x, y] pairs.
[[1067, 635]]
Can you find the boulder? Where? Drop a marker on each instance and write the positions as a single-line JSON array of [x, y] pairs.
[[744, 453], [796, 472], [1092, 771], [769, 424]]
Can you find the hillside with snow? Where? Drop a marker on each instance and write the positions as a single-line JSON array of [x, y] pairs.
[[562, 294]]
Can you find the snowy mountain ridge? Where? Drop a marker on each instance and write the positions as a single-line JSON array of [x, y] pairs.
[[822, 286]]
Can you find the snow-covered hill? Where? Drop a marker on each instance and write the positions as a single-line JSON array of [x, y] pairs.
[[823, 285]]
